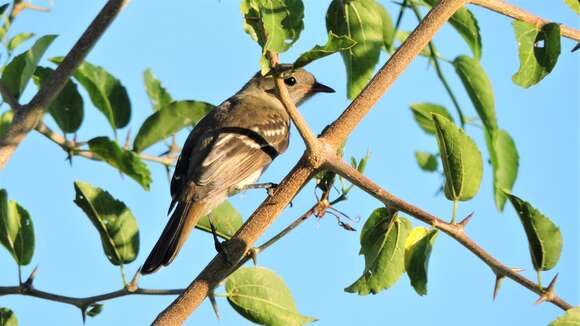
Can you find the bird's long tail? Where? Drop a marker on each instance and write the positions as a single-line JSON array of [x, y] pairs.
[[184, 218]]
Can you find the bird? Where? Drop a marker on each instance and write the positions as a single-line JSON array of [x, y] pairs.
[[226, 151]]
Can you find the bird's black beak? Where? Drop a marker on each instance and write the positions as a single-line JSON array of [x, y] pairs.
[[321, 88]]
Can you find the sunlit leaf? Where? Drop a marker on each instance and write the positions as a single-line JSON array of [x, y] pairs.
[[570, 318], [158, 95], [417, 253], [7, 317], [426, 161], [124, 160], [18, 39], [544, 237], [462, 162], [505, 162], [574, 5], [479, 88], [333, 45], [18, 72], [225, 218], [538, 51], [383, 244], [5, 121], [106, 92], [362, 21], [262, 297], [16, 230], [112, 219], [169, 120], [422, 114], [67, 108]]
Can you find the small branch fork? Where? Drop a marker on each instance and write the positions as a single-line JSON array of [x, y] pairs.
[[320, 153]]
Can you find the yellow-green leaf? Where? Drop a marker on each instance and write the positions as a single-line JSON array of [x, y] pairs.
[[538, 51], [18, 39], [333, 45], [426, 161], [422, 114], [417, 253], [462, 162], [574, 5], [262, 297], [505, 162], [112, 219], [225, 218], [7, 317], [16, 230], [570, 318], [544, 237], [158, 95]]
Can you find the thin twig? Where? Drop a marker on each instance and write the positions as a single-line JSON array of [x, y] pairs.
[[506, 9], [456, 231]]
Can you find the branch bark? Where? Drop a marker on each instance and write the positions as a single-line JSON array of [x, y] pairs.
[[28, 116]]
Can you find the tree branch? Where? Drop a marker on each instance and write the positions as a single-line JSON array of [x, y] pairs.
[[217, 270], [30, 114], [456, 231], [514, 12]]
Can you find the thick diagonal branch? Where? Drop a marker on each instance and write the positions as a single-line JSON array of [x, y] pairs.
[[28, 116]]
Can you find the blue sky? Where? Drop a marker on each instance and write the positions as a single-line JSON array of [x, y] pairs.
[[199, 51]]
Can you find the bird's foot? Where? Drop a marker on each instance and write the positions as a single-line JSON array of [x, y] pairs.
[[219, 246], [269, 186]]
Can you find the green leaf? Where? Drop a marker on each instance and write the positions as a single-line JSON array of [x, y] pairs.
[[333, 45], [114, 222], [262, 297], [158, 95], [570, 318], [417, 252], [95, 309], [124, 160], [169, 120], [225, 218], [536, 61], [544, 237], [19, 71], [505, 162], [67, 109], [7, 317], [388, 28], [17, 40], [383, 244], [479, 88], [16, 230], [427, 161], [464, 22], [362, 21], [422, 114], [107, 93], [574, 5], [274, 24], [462, 162], [5, 121]]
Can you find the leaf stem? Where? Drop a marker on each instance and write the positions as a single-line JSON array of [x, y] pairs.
[[123, 277], [454, 211], [539, 275]]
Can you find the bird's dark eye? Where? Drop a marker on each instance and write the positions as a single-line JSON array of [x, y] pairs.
[[291, 81]]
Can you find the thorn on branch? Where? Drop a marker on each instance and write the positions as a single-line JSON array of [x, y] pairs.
[[214, 304], [465, 220], [498, 281], [133, 285], [575, 47], [517, 270], [219, 247], [30, 280], [549, 293]]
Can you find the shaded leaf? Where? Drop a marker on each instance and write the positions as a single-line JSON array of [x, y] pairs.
[[124, 160], [7, 317], [422, 114], [158, 95], [333, 45], [426, 161], [362, 21], [479, 88], [67, 109], [18, 39], [262, 297], [417, 252], [570, 318], [274, 24], [107, 93], [462, 162], [5, 121], [225, 218], [16, 230], [383, 244], [114, 222], [536, 59], [95, 309], [544, 237], [464, 22], [574, 5], [505, 162], [19, 71], [388, 28], [169, 120]]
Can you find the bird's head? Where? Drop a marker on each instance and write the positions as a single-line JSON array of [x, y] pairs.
[[300, 83]]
